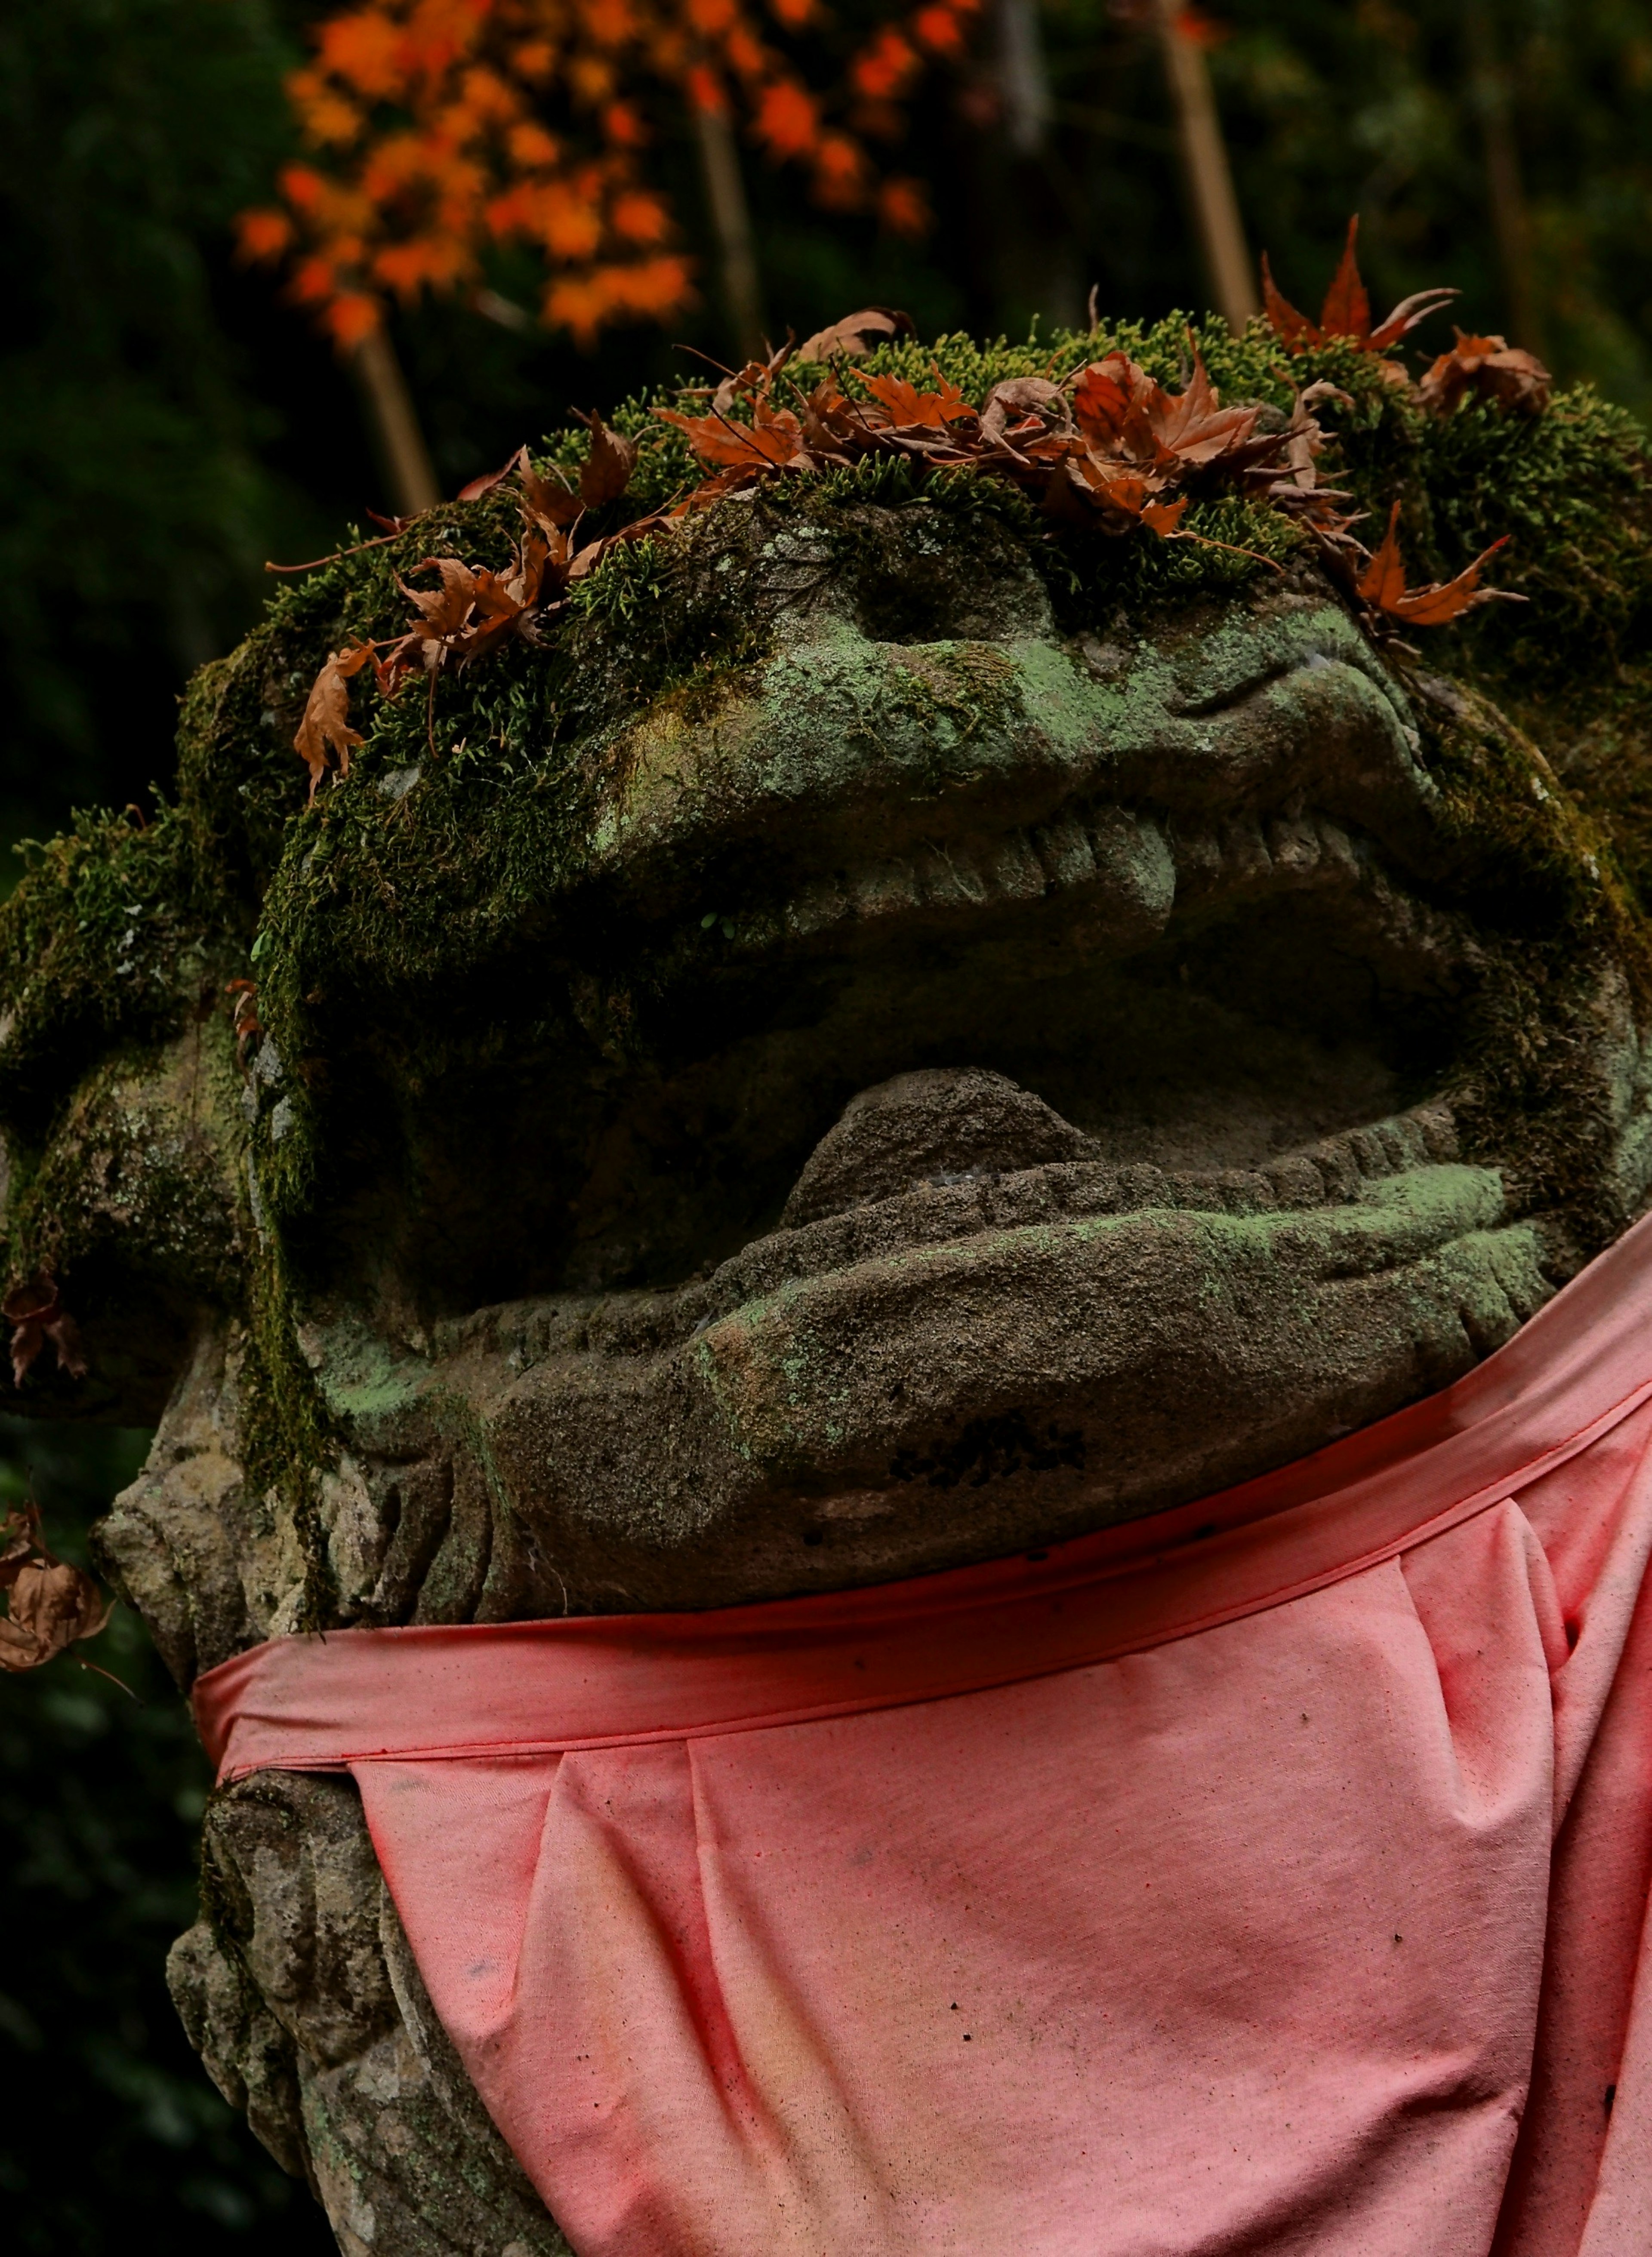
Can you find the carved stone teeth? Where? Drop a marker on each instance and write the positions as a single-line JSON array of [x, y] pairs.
[[881, 889], [1142, 1185], [1073, 852], [1198, 861], [934, 1214], [1245, 853], [1335, 1163], [1336, 849], [1015, 870], [1436, 1126], [1370, 1153], [1294, 844], [1296, 1182], [1064, 850], [948, 879], [1404, 1142], [814, 908]]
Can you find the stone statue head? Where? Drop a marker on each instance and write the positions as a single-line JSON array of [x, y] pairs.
[[887, 1029]]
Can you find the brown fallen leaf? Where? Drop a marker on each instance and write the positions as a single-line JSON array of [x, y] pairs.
[[244, 1017], [1137, 440], [857, 335], [606, 470], [938, 421], [52, 1606], [325, 727], [37, 1315], [1382, 585], [1490, 369], [1346, 311], [486, 483], [772, 441]]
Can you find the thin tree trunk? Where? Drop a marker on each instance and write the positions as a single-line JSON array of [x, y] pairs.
[[393, 424], [1210, 178], [1030, 232], [1511, 222], [731, 225], [1023, 79]]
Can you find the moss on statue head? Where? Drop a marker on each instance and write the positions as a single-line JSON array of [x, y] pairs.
[[466, 816]]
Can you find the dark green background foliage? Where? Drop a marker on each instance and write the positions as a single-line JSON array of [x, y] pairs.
[[166, 423], [109, 2134]]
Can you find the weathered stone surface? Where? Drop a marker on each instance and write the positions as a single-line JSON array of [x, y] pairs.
[[304, 2002]]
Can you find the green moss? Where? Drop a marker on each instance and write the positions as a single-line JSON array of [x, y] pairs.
[[101, 942], [287, 1435]]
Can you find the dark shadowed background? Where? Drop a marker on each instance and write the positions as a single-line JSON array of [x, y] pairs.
[[167, 423]]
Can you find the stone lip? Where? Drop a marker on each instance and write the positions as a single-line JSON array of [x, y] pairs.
[[842, 758], [1024, 1371]]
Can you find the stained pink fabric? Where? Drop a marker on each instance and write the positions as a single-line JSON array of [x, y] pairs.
[[1269, 1877]]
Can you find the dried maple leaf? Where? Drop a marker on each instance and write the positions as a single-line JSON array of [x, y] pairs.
[[915, 418], [325, 727], [604, 476], [1126, 415], [1028, 418], [1163, 518], [485, 484], [606, 470], [469, 611], [36, 1315], [1382, 585], [857, 335], [1347, 312], [244, 1017], [1136, 439], [1490, 369], [52, 1605], [550, 504], [772, 441]]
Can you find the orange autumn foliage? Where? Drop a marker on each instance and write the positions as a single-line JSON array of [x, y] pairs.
[[441, 128]]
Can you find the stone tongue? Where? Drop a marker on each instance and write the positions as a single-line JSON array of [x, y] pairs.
[[937, 1126]]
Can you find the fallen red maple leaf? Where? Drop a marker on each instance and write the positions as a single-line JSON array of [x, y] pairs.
[[325, 727], [905, 409], [1346, 311], [1490, 369], [244, 1017], [772, 441], [1382, 585], [606, 470]]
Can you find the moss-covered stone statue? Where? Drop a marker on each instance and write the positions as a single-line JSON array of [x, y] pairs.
[[885, 1024]]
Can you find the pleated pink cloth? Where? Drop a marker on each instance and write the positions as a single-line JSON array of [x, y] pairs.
[[1269, 1877]]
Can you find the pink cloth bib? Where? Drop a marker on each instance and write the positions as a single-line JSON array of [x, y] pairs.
[[1270, 1876]]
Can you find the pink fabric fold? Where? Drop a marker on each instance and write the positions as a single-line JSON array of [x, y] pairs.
[[1272, 1876]]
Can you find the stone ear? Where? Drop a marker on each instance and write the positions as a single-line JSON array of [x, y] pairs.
[[128, 1207]]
